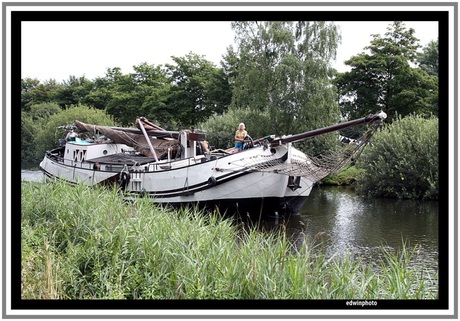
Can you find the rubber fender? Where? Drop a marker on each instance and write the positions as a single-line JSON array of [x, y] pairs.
[[212, 181], [124, 179]]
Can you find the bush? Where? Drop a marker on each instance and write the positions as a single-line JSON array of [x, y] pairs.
[[402, 160], [220, 129], [32, 122], [48, 137]]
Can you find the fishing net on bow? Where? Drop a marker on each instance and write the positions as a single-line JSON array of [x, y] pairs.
[[327, 150]]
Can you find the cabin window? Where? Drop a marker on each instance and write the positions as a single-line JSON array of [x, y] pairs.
[[104, 152]]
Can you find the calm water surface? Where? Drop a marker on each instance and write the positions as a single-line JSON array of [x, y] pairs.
[[31, 175], [348, 223]]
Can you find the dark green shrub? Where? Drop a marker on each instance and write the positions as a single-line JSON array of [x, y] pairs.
[[48, 136], [402, 160], [220, 129], [32, 123]]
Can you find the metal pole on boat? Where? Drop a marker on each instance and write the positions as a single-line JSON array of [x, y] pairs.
[[302, 136], [148, 139]]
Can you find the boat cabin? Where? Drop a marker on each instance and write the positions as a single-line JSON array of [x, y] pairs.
[[81, 151]]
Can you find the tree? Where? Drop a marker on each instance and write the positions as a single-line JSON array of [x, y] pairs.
[[100, 94], [428, 59], [34, 92], [283, 70], [27, 87], [199, 90], [73, 91], [153, 91], [415, 92], [142, 93], [383, 79]]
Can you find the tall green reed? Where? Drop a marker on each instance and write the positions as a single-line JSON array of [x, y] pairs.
[[89, 243]]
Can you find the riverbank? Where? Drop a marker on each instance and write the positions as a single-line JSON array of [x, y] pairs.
[[87, 243]]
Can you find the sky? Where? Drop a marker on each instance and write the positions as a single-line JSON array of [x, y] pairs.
[[60, 49]]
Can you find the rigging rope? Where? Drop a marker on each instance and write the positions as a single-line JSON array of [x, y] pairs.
[[318, 166]]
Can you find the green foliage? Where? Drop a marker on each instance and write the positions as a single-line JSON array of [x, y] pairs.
[[282, 70], [73, 91], [27, 87], [100, 95], [428, 59], [346, 176], [402, 160], [49, 134], [220, 129], [414, 92], [199, 90], [383, 79], [142, 93], [41, 112], [32, 123], [88, 243], [180, 95], [33, 92], [28, 133]]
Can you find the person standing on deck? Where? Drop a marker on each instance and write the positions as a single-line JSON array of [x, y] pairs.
[[71, 136], [240, 135]]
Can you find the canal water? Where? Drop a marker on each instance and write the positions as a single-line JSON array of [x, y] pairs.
[[31, 175], [345, 223]]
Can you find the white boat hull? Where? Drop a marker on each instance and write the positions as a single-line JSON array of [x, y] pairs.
[[225, 182], [177, 168]]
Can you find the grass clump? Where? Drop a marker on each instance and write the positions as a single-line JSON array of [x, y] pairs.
[[346, 176], [87, 243]]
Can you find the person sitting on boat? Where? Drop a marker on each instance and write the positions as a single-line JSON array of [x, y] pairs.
[[71, 135], [240, 135]]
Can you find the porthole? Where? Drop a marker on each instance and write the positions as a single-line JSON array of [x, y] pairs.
[[104, 152]]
